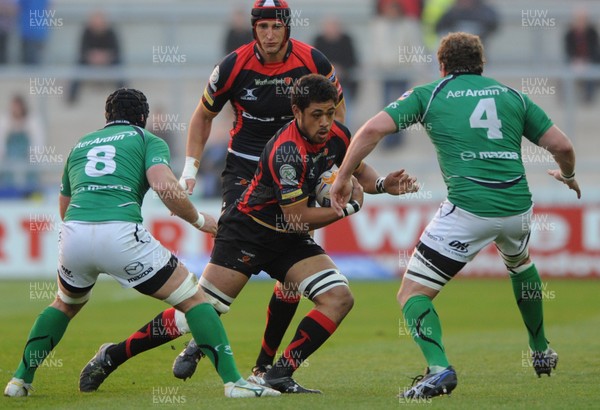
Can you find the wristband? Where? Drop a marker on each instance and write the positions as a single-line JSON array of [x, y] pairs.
[[200, 222], [380, 185], [352, 207], [567, 177], [190, 169]]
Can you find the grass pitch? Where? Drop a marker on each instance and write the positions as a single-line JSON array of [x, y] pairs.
[[366, 363]]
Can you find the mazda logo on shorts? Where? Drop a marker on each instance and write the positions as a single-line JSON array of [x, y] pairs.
[[134, 268]]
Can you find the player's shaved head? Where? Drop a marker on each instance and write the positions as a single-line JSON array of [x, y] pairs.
[[461, 52]]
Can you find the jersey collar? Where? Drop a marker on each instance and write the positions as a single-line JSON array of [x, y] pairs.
[[260, 58], [456, 73], [117, 122]]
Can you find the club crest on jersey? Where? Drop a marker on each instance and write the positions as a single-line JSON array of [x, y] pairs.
[[288, 175], [405, 95]]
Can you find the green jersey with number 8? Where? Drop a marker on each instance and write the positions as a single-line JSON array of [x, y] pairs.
[[105, 174], [476, 125]]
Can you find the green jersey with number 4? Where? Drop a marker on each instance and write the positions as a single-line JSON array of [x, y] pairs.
[[105, 174], [476, 125]]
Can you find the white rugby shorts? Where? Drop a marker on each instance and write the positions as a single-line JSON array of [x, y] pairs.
[[460, 235], [124, 250]]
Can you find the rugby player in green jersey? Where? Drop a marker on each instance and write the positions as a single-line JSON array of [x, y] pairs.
[[476, 125], [105, 178]]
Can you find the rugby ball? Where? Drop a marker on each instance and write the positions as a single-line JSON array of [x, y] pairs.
[[323, 186]]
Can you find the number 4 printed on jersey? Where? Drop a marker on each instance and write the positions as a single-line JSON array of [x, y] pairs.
[[485, 116]]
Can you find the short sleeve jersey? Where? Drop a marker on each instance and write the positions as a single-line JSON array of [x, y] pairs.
[[288, 172], [260, 92], [476, 125], [105, 174]]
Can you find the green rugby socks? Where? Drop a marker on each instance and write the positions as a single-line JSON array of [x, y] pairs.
[[527, 287], [424, 324], [46, 332], [210, 336]]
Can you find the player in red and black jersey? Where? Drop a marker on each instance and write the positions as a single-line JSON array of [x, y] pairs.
[[259, 90], [288, 172], [257, 80], [267, 229]]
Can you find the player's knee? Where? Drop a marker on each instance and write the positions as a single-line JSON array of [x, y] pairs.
[[321, 282], [404, 294], [329, 288], [343, 299], [219, 300], [194, 299], [410, 288], [69, 305], [427, 273], [519, 267], [515, 261], [338, 301], [186, 292]]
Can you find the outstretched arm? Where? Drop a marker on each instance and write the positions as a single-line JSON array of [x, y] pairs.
[[559, 145], [164, 183], [395, 183], [365, 140]]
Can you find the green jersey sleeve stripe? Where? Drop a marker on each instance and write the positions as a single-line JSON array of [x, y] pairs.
[[140, 131], [519, 95], [436, 90]]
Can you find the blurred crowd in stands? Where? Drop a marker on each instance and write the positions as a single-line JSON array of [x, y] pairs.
[[410, 28]]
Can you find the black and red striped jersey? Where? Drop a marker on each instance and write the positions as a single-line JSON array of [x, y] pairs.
[[260, 92], [288, 171]]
